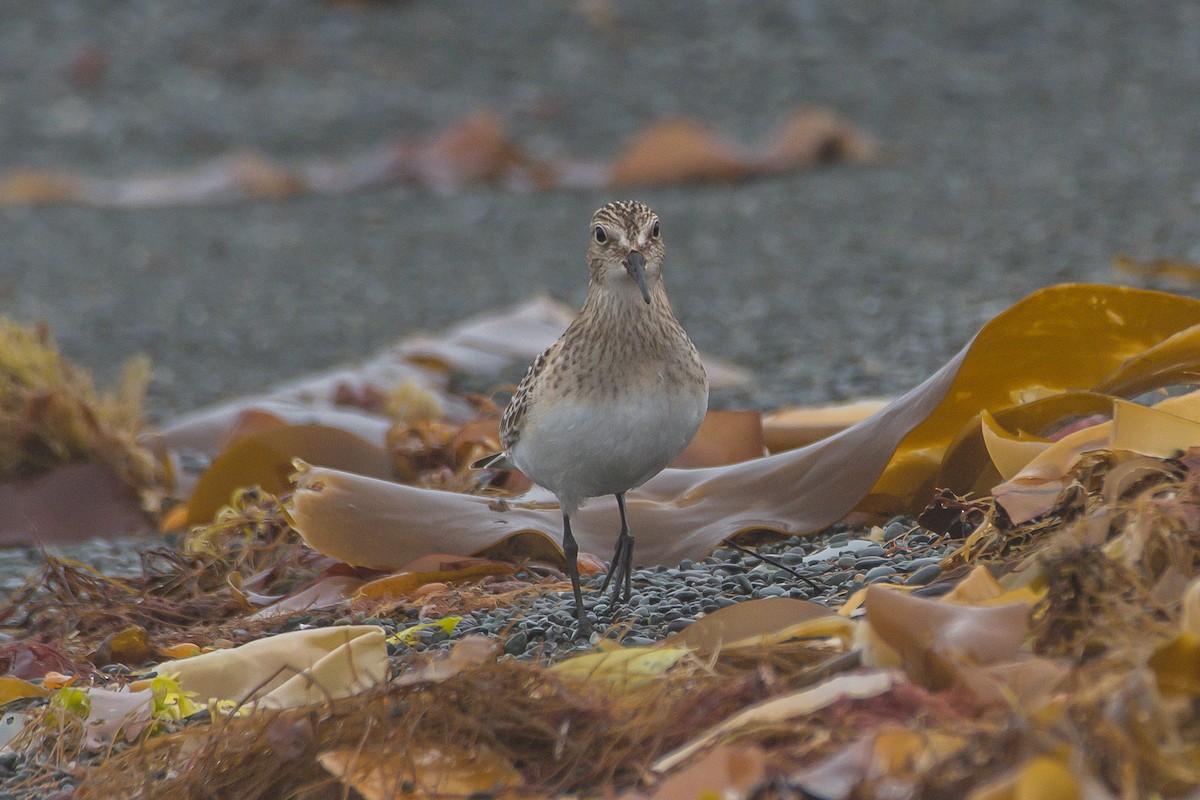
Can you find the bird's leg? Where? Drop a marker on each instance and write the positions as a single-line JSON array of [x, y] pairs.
[[571, 553], [614, 565], [627, 556], [620, 572]]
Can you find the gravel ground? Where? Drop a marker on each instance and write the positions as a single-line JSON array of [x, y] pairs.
[[1027, 143], [826, 568]]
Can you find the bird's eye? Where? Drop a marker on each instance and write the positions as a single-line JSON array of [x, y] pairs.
[[654, 230], [601, 236]]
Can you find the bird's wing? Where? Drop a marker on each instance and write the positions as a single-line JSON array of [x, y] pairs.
[[522, 399], [514, 415]]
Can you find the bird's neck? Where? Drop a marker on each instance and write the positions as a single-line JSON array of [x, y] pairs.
[[625, 301]]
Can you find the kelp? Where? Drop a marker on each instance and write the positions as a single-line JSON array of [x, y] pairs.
[[1059, 659], [52, 414], [184, 591]]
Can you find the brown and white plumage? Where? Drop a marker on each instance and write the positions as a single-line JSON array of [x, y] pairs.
[[619, 395]]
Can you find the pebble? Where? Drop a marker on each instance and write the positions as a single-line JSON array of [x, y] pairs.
[[516, 644], [837, 578], [880, 572], [924, 575]]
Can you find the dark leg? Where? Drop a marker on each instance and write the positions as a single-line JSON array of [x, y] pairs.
[[620, 571], [571, 553]]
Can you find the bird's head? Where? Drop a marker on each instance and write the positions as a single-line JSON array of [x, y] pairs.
[[626, 251]]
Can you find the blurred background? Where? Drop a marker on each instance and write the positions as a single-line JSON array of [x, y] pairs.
[[1022, 144]]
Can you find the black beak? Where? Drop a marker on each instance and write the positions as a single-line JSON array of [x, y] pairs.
[[635, 265]]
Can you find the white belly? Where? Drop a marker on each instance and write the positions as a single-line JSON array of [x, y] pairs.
[[582, 450]]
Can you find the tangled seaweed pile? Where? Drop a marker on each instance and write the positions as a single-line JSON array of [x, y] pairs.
[[1055, 655], [51, 413], [1062, 656]]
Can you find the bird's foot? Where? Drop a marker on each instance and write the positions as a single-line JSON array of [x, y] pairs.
[[619, 570]]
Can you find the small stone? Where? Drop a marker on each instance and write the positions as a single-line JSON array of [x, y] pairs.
[[637, 641], [871, 550], [847, 560], [516, 644], [837, 578], [870, 562], [880, 572], [772, 591], [725, 602], [894, 530], [685, 595], [687, 563], [839, 539], [924, 575], [676, 625]]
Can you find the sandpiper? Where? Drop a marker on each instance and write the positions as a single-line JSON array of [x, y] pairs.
[[617, 397]]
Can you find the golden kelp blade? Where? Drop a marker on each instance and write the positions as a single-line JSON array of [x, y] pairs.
[[289, 669], [1074, 337], [264, 459], [886, 463]]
